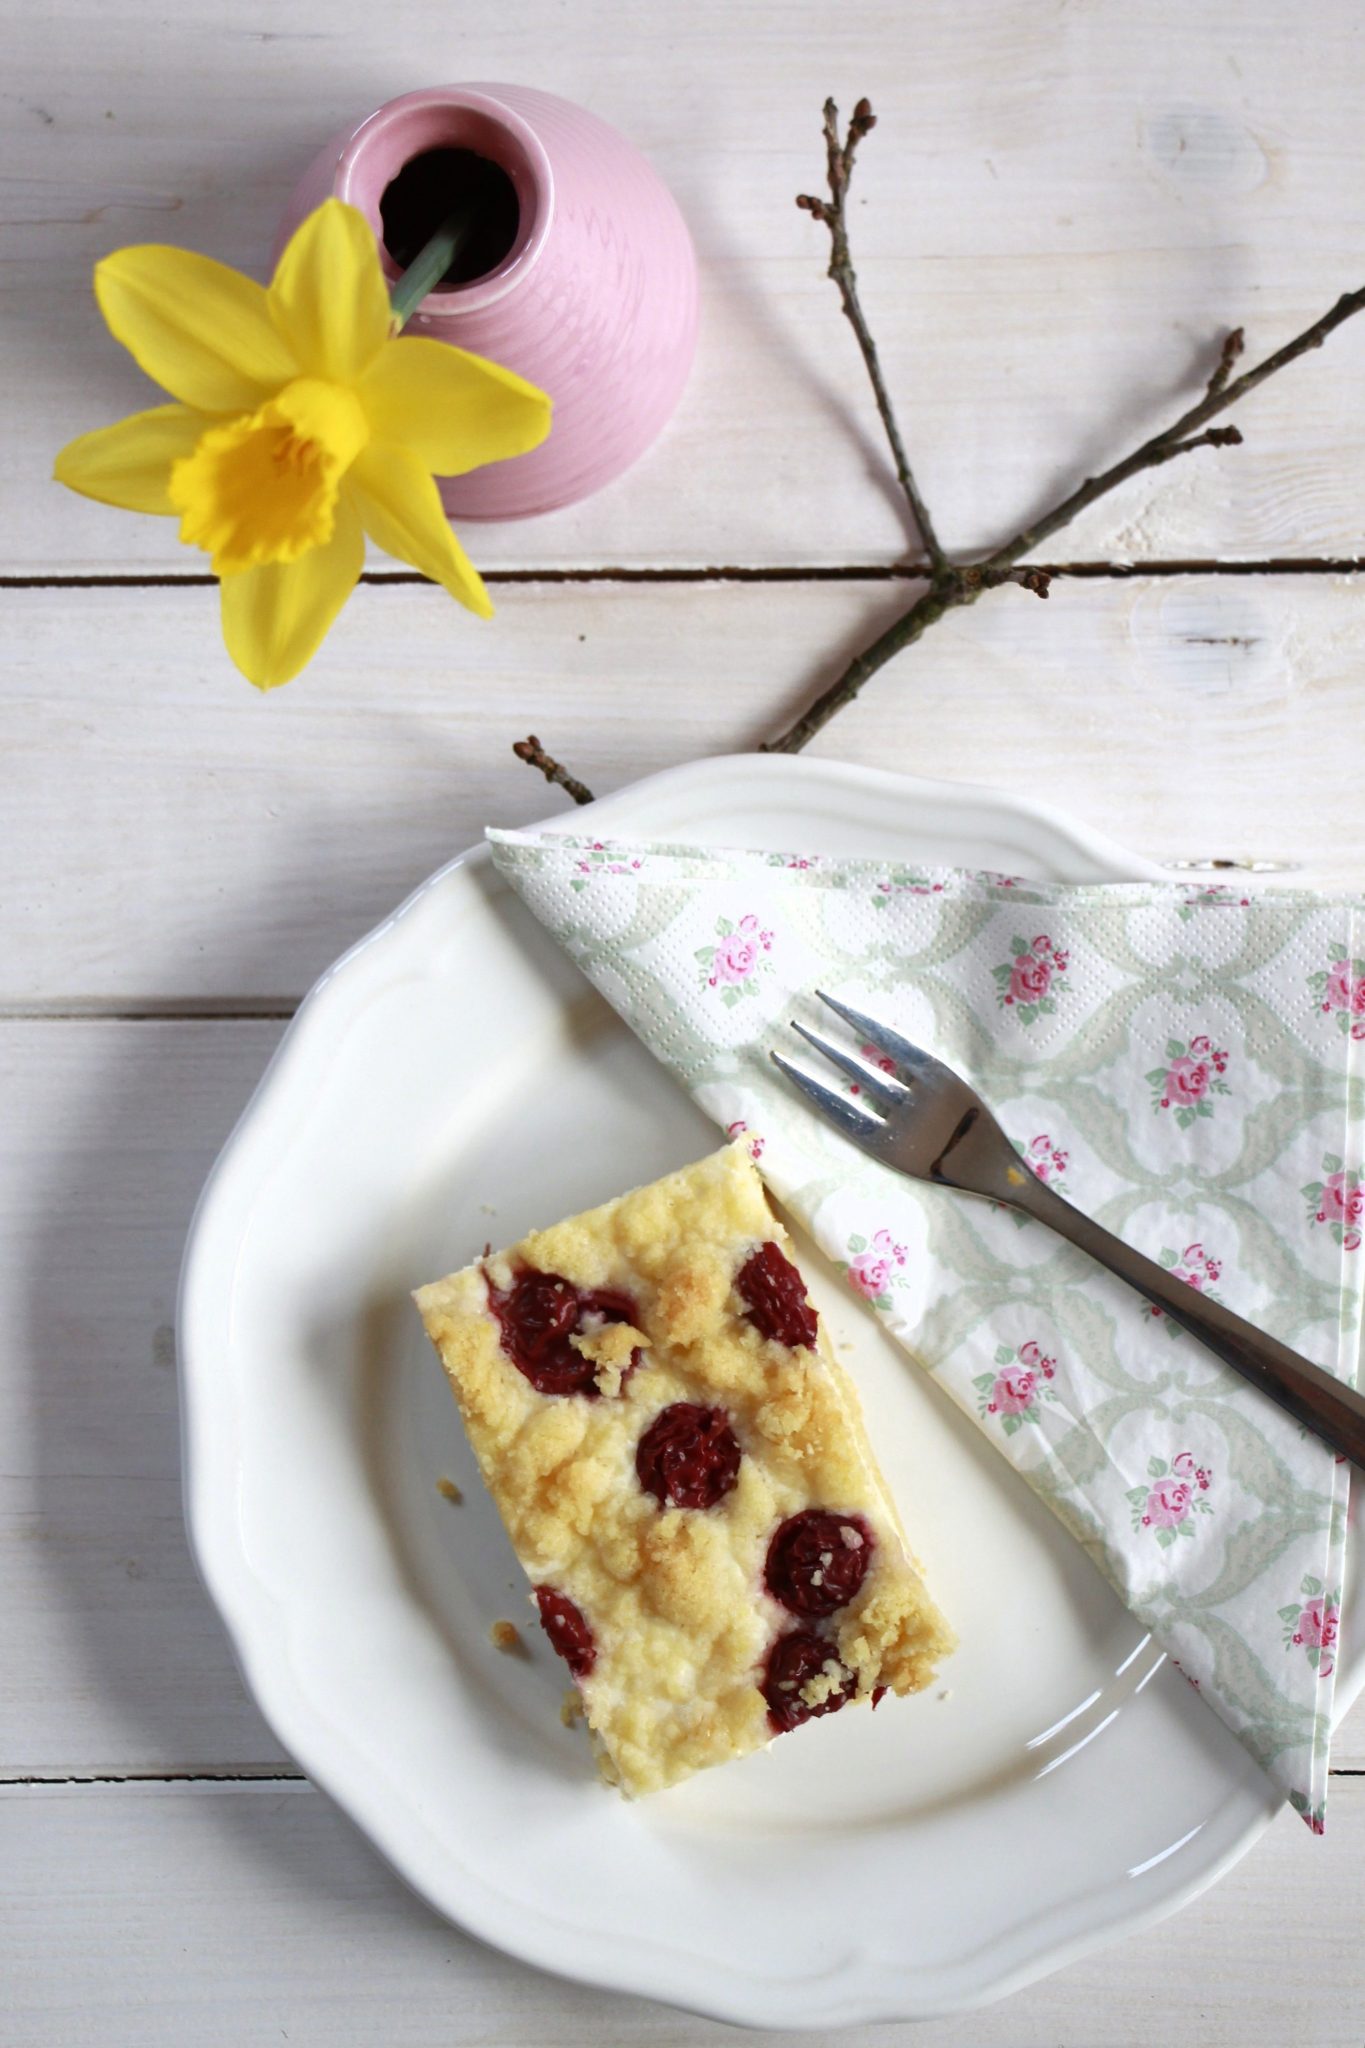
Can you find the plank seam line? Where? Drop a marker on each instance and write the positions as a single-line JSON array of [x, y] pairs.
[[852, 572], [277, 1011], [281, 1775], [37, 1780]]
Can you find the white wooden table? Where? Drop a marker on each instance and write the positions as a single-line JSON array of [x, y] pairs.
[[1065, 203]]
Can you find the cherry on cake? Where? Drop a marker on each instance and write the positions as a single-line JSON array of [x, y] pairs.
[[682, 1466]]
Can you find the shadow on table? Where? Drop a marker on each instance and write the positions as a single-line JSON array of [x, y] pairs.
[[126, 1652], [126, 1646]]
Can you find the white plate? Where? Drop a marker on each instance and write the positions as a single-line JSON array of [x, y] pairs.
[[452, 1080]]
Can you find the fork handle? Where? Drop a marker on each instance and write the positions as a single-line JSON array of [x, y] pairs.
[[1327, 1406]]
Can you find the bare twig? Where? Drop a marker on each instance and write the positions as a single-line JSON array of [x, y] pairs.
[[964, 585], [1032, 576], [1182, 434], [839, 169], [952, 585], [534, 755], [1233, 346], [1212, 437]]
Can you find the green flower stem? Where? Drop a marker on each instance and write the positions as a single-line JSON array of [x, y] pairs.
[[430, 265]]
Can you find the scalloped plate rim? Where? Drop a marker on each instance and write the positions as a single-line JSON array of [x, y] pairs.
[[864, 1988]]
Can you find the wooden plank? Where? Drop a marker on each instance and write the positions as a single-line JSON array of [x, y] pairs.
[[113, 1657], [171, 837], [1060, 213], [140, 1917], [114, 1661]]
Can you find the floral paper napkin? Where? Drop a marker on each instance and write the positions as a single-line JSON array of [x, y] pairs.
[[1182, 1065]]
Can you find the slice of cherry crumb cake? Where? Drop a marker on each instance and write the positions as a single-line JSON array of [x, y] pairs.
[[683, 1469]]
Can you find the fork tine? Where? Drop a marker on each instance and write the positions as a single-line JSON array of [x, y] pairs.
[[912, 1057], [836, 1109], [882, 1089]]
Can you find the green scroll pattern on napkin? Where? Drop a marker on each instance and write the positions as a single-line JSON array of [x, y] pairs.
[[1182, 1064]]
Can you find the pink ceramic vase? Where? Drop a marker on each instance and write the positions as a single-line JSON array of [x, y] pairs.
[[595, 301]]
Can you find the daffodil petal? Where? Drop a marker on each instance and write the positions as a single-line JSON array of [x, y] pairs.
[[328, 297], [452, 410], [275, 616], [398, 502], [129, 464], [201, 331]]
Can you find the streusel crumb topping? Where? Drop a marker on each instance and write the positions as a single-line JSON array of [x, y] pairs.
[[683, 1470]]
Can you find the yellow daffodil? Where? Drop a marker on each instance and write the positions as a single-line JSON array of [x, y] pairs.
[[301, 424]]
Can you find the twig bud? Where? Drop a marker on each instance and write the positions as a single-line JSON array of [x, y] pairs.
[[1233, 345], [534, 755]]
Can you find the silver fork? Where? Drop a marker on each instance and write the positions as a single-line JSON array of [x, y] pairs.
[[925, 1121]]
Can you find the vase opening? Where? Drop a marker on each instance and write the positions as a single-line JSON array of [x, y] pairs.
[[432, 185], [420, 155]]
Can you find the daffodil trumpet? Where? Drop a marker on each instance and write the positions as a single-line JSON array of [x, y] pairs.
[[300, 424]]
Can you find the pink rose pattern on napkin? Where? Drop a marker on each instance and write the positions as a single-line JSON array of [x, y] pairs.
[[1047, 1160], [1338, 1200], [1188, 1078], [871, 1269], [1142, 1090], [874, 1059], [734, 963], [1015, 1391], [903, 879], [596, 858], [1031, 982], [1340, 992], [1197, 1268], [739, 1129], [1310, 1624], [1173, 1496]]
